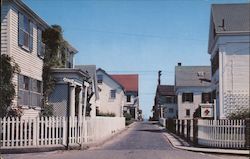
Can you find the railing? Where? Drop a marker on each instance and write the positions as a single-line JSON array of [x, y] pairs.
[[211, 133], [52, 131]]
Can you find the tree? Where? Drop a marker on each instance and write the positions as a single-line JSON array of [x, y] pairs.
[[55, 57], [7, 89]]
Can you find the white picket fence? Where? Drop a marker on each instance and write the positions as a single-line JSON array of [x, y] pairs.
[[162, 122], [52, 131], [221, 133]]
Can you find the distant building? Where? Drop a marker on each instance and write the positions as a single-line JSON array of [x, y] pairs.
[[165, 101], [190, 89], [229, 47], [130, 83], [112, 95]]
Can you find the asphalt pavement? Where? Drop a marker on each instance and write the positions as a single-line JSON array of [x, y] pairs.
[[143, 140]]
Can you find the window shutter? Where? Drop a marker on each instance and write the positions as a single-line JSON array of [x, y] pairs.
[[31, 36], [20, 81], [192, 97], [20, 29], [39, 38], [183, 97]]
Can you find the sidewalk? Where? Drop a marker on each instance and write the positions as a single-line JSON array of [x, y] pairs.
[[179, 143]]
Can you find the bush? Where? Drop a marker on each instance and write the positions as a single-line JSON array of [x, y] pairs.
[[240, 114], [106, 114], [127, 116], [47, 110]]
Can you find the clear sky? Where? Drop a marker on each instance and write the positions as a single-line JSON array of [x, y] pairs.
[[134, 36]]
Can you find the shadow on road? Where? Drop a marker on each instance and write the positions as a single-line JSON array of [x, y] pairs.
[[151, 130]]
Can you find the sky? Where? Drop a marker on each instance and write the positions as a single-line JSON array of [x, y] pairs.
[[134, 36]]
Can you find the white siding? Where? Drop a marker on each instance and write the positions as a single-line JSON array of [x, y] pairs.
[[234, 74], [30, 64], [108, 105], [182, 106], [4, 28]]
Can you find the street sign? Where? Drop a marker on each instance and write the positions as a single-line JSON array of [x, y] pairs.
[[207, 110]]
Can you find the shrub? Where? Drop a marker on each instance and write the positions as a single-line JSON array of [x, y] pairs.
[[106, 114], [127, 116], [239, 114]]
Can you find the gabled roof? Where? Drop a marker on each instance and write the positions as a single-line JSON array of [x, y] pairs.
[[91, 70], [228, 19], [31, 13], [104, 72], [189, 76], [128, 81], [165, 90], [236, 17]]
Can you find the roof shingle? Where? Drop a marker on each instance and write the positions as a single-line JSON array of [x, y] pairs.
[[128, 81]]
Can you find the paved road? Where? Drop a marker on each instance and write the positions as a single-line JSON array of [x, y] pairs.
[[141, 141]]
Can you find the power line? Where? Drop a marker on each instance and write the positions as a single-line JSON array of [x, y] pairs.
[[133, 34]]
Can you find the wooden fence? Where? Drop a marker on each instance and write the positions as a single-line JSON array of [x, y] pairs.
[[54, 131], [221, 133], [211, 133]]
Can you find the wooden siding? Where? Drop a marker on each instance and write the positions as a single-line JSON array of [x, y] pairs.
[[4, 28], [30, 64]]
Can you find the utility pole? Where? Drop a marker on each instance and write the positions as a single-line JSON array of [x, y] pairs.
[[159, 77]]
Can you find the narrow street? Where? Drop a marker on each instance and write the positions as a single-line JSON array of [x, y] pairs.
[[142, 140]]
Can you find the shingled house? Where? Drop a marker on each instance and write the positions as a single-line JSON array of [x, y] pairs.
[[165, 101], [229, 49], [190, 89], [130, 84]]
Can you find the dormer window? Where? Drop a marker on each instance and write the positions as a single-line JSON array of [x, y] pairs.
[[200, 74], [25, 32]]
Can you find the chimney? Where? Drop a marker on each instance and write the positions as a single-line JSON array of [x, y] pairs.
[[179, 63]]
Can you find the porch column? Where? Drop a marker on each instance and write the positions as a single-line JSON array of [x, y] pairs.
[[72, 100], [80, 105], [84, 126]]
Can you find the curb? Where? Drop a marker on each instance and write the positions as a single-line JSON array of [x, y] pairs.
[[177, 144]]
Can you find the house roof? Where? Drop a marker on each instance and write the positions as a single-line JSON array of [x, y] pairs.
[[101, 70], [235, 16], [91, 70], [129, 81], [31, 13], [189, 76], [166, 90]]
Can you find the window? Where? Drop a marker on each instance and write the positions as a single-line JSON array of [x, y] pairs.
[[187, 97], [40, 44], [29, 92], [187, 112], [112, 94], [128, 98], [99, 79], [25, 32], [206, 98], [170, 110], [169, 100]]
